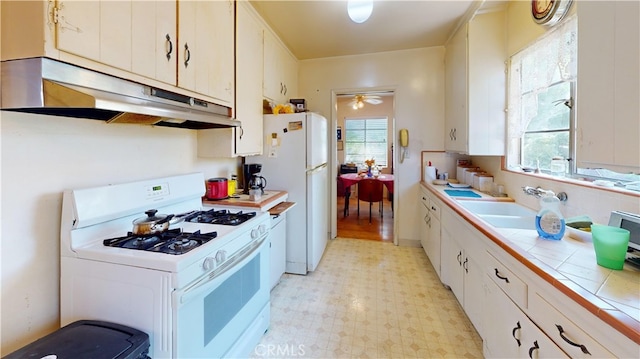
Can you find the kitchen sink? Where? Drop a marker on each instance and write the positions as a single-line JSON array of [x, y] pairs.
[[517, 222], [497, 208], [502, 214]]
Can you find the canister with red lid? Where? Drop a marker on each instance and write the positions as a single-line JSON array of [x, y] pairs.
[[217, 188]]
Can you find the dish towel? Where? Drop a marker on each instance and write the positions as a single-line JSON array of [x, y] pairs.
[[461, 193]]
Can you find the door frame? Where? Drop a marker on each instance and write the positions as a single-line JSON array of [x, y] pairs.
[[333, 153]]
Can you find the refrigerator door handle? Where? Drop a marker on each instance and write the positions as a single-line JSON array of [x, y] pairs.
[[317, 168]]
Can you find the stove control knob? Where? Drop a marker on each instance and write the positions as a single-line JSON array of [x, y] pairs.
[[254, 233], [209, 263], [221, 256], [262, 228]]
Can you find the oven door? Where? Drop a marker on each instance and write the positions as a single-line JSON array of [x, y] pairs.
[[227, 311]]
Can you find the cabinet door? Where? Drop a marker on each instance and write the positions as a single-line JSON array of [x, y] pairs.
[[509, 333], [290, 76], [249, 53], [273, 83], [155, 43], [456, 92], [473, 290], [78, 29], [454, 256], [278, 250], [188, 54], [205, 51], [608, 88], [433, 244], [115, 33], [486, 84], [220, 59], [502, 334], [424, 224], [96, 30]]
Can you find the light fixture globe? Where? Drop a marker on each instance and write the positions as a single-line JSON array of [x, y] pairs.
[[359, 10]]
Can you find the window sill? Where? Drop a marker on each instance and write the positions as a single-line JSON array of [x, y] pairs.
[[578, 182]]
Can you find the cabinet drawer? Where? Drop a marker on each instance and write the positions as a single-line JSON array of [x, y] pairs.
[[573, 340], [434, 208], [424, 198], [513, 286]]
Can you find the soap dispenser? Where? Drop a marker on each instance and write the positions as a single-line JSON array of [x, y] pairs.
[[549, 221]]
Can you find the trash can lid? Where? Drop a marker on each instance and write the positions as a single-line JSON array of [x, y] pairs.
[[88, 339]]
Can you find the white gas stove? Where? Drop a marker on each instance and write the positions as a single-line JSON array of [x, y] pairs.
[[198, 289]]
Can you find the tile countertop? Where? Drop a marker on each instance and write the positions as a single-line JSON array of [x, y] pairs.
[[268, 200], [570, 266]]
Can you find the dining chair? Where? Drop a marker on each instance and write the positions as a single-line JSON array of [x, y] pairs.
[[370, 190]]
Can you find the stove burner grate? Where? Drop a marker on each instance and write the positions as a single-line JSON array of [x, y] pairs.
[[221, 216], [172, 241]]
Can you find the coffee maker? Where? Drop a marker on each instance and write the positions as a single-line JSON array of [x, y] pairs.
[[248, 171]]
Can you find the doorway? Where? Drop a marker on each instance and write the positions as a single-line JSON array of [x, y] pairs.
[[360, 113]]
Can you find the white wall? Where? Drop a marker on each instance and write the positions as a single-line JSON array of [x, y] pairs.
[[42, 156], [417, 77], [583, 198]]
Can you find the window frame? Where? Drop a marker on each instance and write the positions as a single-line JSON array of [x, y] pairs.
[[385, 119], [516, 129]]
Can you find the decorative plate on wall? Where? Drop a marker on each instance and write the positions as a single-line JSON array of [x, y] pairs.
[[549, 12]]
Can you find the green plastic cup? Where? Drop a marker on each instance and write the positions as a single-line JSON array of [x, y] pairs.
[[611, 245]]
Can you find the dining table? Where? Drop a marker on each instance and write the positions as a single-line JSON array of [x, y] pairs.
[[349, 179]]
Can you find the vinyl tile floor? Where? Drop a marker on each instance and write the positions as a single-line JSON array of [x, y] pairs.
[[367, 299]]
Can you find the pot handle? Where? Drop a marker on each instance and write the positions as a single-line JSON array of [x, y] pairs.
[[164, 220]]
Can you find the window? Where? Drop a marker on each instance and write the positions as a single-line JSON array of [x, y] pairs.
[[542, 82], [366, 139]]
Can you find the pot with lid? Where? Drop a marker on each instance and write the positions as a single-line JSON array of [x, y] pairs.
[[153, 223]]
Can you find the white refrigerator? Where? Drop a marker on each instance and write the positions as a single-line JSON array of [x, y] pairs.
[[295, 160]]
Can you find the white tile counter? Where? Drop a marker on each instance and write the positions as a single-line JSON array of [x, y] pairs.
[[568, 265]]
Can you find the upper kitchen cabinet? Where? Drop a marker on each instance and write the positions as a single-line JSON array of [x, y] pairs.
[[247, 139], [475, 87], [206, 48], [280, 70], [137, 40], [608, 89], [134, 36]]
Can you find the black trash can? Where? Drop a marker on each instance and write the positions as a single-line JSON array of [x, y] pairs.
[[88, 339]]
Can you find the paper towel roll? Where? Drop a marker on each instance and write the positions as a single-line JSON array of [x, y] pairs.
[[429, 173]]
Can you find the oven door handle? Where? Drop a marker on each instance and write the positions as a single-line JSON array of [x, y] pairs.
[[198, 286]]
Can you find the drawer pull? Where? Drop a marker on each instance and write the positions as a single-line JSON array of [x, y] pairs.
[[501, 277], [534, 347], [170, 47], [569, 341], [513, 332]]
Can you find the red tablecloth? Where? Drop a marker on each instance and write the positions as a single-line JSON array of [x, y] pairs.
[[352, 178], [349, 179]]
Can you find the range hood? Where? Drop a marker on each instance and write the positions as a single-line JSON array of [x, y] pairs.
[[45, 86]]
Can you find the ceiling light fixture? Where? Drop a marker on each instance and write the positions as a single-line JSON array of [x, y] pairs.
[[359, 10]]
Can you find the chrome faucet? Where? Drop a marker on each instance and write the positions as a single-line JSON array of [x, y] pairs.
[[539, 192]]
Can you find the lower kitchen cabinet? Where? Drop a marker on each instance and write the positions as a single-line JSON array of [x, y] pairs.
[[509, 333], [515, 311], [278, 238], [430, 229], [461, 266]]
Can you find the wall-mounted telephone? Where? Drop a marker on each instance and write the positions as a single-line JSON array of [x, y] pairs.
[[404, 143]]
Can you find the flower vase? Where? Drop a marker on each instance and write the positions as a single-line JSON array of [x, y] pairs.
[[369, 174]]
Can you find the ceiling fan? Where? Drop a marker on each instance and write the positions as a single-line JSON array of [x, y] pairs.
[[359, 100]]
